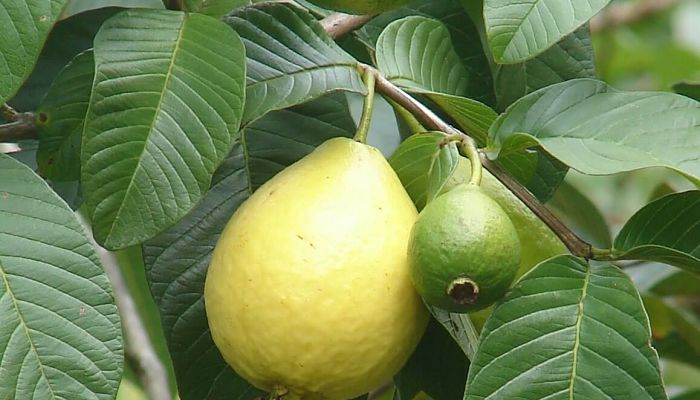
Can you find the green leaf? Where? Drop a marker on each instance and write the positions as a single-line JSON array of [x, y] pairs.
[[460, 327], [665, 230], [290, 59], [215, 8], [423, 165], [664, 280], [689, 89], [690, 394], [579, 212], [463, 34], [671, 322], [60, 334], [177, 259], [569, 58], [154, 134], [416, 53], [74, 7], [67, 39], [518, 31], [438, 367], [598, 130], [24, 26], [567, 330], [61, 116]]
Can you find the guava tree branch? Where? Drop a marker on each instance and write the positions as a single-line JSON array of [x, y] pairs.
[[20, 126], [430, 120], [338, 24], [139, 350]]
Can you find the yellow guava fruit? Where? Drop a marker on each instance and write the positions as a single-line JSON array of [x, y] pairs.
[[360, 6], [308, 292]]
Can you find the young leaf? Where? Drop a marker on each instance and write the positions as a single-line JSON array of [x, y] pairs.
[[665, 230], [518, 31], [416, 53], [290, 58], [61, 116], [24, 26], [177, 259], [424, 166], [598, 130], [60, 334], [567, 330], [155, 134]]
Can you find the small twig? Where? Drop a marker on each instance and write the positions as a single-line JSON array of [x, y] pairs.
[[139, 351], [628, 13], [427, 117], [21, 127], [338, 24]]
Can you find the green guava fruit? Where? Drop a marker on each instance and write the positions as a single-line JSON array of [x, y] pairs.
[[463, 251]]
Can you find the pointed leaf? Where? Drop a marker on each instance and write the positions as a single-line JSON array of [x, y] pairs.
[[666, 230], [598, 130], [518, 31], [164, 110], [291, 59], [567, 330], [60, 335], [61, 118], [177, 259], [423, 165], [416, 53], [24, 26]]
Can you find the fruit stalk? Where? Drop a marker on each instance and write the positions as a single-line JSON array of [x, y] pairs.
[[468, 148], [366, 119]]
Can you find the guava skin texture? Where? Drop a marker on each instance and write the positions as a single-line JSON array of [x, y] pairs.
[[308, 291], [464, 251], [360, 6]]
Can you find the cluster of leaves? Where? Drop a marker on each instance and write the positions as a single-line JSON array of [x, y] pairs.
[[168, 120]]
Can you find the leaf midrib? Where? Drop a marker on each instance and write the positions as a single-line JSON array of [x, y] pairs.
[[577, 341], [23, 322], [168, 76]]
